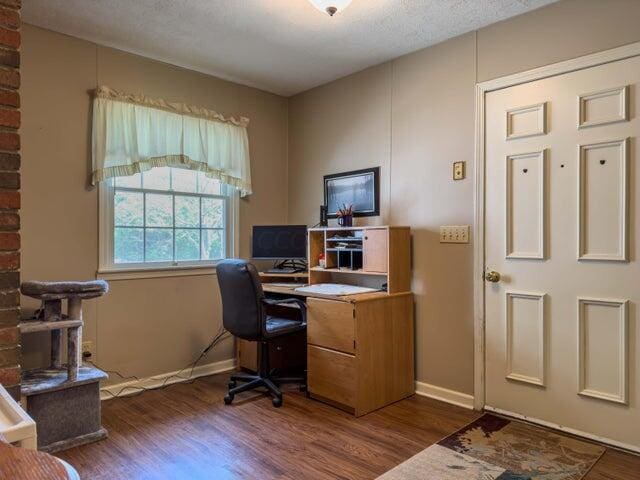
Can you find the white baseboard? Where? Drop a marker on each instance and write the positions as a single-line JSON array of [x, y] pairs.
[[131, 387], [460, 399], [572, 431]]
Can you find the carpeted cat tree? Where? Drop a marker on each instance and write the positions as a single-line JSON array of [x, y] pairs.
[[64, 398]]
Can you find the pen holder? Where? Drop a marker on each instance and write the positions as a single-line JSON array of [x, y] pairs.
[[345, 221]]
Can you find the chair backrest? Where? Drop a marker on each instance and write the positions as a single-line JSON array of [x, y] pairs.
[[242, 295]]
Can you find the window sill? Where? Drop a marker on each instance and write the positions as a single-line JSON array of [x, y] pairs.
[[155, 272]]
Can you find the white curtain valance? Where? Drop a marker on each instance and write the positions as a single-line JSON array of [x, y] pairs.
[[133, 133]]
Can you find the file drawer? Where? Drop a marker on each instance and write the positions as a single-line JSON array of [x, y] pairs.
[[331, 375], [330, 324]]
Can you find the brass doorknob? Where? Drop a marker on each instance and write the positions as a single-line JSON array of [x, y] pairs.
[[492, 276]]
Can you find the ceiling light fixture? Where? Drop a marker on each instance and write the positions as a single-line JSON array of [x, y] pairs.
[[330, 6]]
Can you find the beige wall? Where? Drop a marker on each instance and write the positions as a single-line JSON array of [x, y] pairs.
[[143, 327], [414, 117]]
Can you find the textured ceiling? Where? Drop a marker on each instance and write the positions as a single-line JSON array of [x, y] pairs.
[[282, 46]]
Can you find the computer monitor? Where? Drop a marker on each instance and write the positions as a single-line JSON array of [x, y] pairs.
[[279, 242]]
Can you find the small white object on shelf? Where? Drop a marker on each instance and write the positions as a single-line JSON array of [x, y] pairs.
[[335, 289], [16, 426]]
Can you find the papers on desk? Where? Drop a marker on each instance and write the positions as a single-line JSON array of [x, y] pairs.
[[286, 284], [337, 289]]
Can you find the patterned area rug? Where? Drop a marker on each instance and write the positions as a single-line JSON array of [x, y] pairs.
[[495, 448]]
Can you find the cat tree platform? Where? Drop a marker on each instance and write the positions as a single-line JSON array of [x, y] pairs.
[[64, 398]]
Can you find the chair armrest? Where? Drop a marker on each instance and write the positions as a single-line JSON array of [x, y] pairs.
[[295, 301]]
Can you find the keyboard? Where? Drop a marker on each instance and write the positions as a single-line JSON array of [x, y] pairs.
[[283, 270]]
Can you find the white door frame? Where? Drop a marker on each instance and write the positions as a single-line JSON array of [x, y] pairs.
[[580, 63]]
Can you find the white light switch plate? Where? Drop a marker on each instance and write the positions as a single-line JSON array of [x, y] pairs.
[[454, 234]]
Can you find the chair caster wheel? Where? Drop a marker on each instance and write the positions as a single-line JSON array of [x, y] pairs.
[[228, 399], [303, 388], [277, 402], [232, 384]]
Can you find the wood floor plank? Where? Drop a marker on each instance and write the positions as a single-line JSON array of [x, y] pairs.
[[186, 432]]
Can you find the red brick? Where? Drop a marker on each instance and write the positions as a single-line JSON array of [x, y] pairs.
[[9, 241], [9, 57], [9, 221], [9, 356], [10, 98], [9, 200], [11, 3], [9, 118], [10, 180], [10, 261], [9, 77], [10, 281], [9, 141], [10, 317], [9, 161], [10, 18], [9, 336], [10, 375], [9, 38]]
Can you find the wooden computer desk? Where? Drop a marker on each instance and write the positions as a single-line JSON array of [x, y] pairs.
[[360, 348]]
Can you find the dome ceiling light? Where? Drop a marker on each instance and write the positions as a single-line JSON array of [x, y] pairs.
[[330, 6]]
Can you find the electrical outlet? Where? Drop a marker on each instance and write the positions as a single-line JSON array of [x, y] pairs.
[[454, 234], [87, 349], [459, 170]]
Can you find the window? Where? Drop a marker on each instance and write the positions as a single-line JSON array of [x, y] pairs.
[[165, 217]]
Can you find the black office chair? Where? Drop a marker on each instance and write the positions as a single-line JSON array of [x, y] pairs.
[[245, 314]]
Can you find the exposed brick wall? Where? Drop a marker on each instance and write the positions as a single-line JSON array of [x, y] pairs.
[[10, 195]]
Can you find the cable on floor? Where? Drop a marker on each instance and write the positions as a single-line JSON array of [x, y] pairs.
[[219, 337]]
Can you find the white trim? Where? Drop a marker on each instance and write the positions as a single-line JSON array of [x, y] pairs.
[[541, 298], [542, 195], [157, 381], [540, 109], [478, 256], [623, 104], [569, 430], [580, 63], [623, 360], [179, 271], [623, 202], [573, 65], [460, 399]]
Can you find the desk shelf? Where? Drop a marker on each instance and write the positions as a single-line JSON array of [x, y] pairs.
[[380, 252], [344, 239], [284, 275], [347, 270]]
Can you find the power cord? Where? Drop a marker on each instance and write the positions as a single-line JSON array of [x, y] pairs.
[[219, 337], [299, 264]]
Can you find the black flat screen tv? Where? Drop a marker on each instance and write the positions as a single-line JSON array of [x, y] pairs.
[[279, 242]]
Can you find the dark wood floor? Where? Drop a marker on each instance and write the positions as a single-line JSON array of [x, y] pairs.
[[185, 432]]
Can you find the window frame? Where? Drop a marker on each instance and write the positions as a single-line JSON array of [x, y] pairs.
[[106, 230]]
